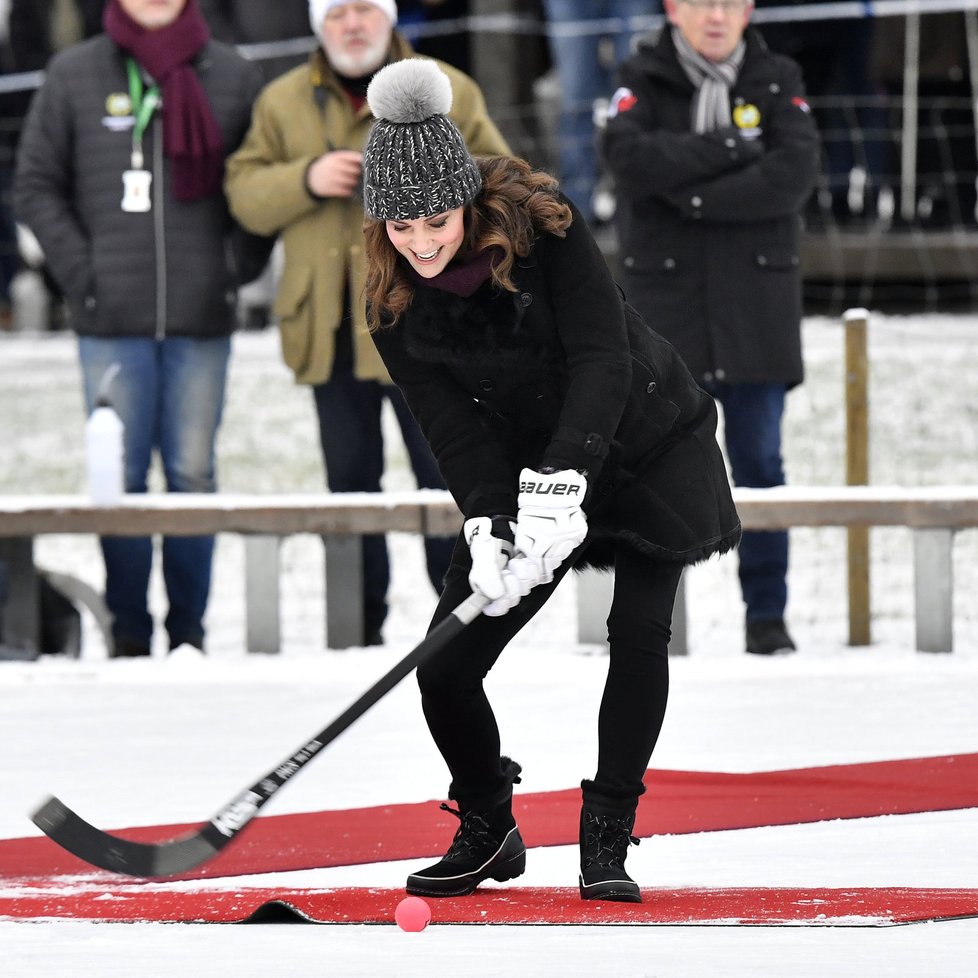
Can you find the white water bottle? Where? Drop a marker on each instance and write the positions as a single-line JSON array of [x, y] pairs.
[[104, 448]]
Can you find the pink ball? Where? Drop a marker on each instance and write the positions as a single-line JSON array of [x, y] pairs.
[[412, 914]]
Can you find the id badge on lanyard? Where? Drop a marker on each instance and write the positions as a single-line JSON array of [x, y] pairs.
[[136, 181]]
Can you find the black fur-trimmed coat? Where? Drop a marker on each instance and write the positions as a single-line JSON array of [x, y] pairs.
[[564, 373]]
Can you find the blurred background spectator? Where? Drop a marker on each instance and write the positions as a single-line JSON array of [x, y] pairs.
[[260, 21], [834, 56], [453, 46], [714, 152], [585, 48], [298, 173], [946, 158], [127, 204], [38, 29]]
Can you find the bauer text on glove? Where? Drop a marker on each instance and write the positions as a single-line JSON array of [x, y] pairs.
[[550, 524]]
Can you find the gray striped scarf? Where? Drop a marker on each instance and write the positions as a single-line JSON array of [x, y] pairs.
[[713, 79]]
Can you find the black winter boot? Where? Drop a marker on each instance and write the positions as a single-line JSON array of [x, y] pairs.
[[487, 844], [768, 637], [606, 832]]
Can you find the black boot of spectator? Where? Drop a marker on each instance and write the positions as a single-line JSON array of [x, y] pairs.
[[768, 636]]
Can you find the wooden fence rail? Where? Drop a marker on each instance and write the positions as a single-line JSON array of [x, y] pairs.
[[932, 513]]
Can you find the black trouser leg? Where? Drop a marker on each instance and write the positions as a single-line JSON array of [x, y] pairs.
[[453, 698], [461, 719], [637, 688]]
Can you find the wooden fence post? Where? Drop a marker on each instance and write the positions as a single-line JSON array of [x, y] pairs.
[[857, 470]]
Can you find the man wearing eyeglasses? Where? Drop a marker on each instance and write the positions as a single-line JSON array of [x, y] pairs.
[[714, 153]]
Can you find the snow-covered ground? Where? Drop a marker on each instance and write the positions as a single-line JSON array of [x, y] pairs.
[[140, 743], [170, 740]]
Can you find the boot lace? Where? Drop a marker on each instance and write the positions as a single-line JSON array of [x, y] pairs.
[[473, 835], [607, 840]]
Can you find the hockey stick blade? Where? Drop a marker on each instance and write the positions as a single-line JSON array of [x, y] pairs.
[[171, 858]]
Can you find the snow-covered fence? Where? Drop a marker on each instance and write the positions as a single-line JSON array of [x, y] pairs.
[[932, 513]]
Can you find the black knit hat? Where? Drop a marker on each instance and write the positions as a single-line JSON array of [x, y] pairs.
[[416, 163]]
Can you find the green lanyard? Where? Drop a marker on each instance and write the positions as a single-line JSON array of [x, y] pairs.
[[143, 106]]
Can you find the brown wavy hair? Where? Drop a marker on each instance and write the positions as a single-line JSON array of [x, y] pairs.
[[515, 205]]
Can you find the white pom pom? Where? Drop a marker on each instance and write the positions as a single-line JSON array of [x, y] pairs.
[[411, 90]]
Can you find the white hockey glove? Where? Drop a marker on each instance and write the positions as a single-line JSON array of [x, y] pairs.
[[490, 541], [550, 524]]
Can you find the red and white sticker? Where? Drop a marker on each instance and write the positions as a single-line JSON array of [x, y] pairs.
[[621, 101]]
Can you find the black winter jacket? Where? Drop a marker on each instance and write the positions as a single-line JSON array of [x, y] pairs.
[[564, 373], [169, 272], [708, 223]]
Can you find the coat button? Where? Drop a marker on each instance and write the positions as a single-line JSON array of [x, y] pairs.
[[708, 376], [775, 88], [89, 301], [696, 201], [629, 262], [650, 387], [486, 386], [720, 373], [669, 263], [526, 298], [761, 260]]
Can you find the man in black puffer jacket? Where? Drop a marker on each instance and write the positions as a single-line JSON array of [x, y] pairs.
[[714, 153], [119, 176]]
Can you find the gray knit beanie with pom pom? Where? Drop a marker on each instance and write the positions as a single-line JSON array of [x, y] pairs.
[[416, 163]]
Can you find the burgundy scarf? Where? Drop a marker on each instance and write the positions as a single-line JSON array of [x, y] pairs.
[[463, 276], [191, 136]]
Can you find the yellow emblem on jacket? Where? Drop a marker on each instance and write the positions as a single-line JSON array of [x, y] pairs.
[[747, 116], [118, 103]]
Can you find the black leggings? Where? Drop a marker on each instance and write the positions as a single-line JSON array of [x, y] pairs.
[[633, 705]]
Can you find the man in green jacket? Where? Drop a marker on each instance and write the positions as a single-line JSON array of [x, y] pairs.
[[298, 175]]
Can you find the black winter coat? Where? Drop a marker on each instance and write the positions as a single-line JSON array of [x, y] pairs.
[[564, 373], [169, 272], [708, 223]]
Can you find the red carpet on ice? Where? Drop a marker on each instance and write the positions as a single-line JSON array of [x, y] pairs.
[[677, 802], [798, 906]]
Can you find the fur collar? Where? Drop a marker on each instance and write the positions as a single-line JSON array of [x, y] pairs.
[[446, 327]]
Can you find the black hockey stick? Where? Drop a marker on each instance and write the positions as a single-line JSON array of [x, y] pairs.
[[57, 821]]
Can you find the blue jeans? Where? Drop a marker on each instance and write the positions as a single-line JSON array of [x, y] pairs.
[[752, 429], [352, 440], [583, 78], [170, 396]]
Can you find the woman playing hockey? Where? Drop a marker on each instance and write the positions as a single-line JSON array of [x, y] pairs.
[[569, 433]]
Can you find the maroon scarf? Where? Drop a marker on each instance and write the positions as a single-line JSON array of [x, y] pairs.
[[463, 276], [191, 136]]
